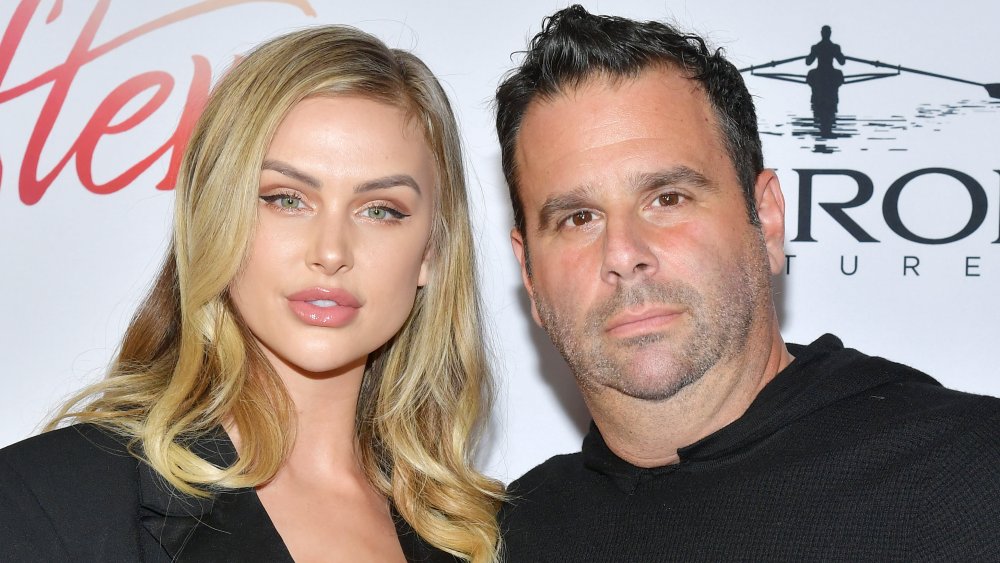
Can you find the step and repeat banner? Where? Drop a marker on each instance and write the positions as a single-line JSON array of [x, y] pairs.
[[881, 118]]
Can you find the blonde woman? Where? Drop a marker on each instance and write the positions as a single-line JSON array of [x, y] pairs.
[[304, 380]]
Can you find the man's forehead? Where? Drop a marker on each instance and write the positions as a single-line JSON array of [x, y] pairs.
[[668, 76], [660, 105]]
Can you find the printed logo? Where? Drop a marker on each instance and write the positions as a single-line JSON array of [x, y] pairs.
[[116, 114], [826, 124], [915, 203]]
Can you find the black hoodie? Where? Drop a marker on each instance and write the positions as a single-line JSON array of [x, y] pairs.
[[842, 456]]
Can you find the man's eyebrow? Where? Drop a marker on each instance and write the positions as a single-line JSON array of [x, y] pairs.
[[388, 182], [556, 205], [647, 181], [678, 175], [286, 169]]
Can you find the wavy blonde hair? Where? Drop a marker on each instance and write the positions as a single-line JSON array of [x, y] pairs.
[[188, 364]]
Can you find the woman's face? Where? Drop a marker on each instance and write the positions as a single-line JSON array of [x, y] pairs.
[[344, 220]]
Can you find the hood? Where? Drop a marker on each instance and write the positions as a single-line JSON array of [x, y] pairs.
[[822, 373]]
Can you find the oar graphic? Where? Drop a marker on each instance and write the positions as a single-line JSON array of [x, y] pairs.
[[772, 64], [992, 89], [786, 76]]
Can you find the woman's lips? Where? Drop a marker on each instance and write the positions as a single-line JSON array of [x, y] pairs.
[[324, 307]]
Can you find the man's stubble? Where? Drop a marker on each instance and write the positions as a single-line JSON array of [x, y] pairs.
[[715, 325]]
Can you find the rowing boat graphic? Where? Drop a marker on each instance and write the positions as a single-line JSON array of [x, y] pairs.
[[826, 79]]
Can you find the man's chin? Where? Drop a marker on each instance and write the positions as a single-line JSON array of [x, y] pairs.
[[656, 379], [641, 340]]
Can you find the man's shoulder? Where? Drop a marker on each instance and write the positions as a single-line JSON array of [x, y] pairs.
[[958, 489], [909, 393], [960, 422], [551, 492], [825, 373], [562, 470], [903, 399], [901, 415], [540, 501]]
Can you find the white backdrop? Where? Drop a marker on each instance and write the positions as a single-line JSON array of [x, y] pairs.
[[75, 261]]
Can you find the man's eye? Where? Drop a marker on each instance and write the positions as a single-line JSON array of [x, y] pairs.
[[667, 199], [580, 218]]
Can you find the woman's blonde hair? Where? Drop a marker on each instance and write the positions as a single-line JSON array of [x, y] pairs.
[[188, 364]]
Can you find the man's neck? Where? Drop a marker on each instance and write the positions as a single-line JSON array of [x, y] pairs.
[[649, 433]]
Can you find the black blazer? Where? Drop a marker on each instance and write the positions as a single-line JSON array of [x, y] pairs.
[[76, 494]]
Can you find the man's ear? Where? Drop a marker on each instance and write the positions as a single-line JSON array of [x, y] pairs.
[[521, 252], [771, 211]]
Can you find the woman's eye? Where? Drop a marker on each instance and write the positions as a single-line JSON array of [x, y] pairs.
[[667, 199], [382, 213], [289, 202], [284, 201]]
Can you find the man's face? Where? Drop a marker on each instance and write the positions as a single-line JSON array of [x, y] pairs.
[[645, 269]]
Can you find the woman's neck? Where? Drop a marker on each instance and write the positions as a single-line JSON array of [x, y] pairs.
[[325, 407], [320, 500]]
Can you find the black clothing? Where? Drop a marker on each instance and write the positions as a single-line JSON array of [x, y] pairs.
[[841, 457], [76, 494]]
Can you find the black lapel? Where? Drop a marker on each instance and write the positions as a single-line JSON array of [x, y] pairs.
[[415, 549], [231, 525], [228, 526]]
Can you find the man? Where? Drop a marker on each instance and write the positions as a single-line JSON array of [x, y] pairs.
[[647, 229]]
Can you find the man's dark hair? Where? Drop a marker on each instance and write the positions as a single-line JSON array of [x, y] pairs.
[[575, 45]]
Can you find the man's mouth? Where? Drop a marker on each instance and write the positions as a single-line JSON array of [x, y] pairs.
[[637, 323]]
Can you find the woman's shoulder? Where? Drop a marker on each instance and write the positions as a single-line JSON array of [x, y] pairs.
[[66, 494], [80, 464], [76, 450]]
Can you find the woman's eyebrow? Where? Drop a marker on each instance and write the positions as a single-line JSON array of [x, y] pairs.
[[286, 169], [388, 182], [382, 183]]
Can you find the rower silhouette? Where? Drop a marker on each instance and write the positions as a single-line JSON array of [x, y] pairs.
[[825, 80]]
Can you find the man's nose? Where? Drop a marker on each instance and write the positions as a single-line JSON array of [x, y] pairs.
[[627, 253]]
